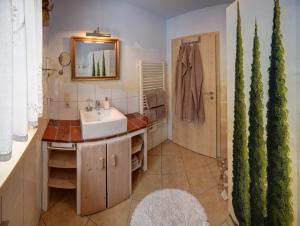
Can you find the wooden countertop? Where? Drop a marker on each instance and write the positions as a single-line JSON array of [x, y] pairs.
[[69, 131]]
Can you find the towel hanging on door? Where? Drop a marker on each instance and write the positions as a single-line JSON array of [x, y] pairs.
[[189, 105]]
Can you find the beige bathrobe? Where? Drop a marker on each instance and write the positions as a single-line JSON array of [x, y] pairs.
[[189, 104]]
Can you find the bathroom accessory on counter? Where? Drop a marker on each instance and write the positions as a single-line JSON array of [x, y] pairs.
[[106, 104]]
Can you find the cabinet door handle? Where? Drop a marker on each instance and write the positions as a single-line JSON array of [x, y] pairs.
[[102, 163], [114, 160]]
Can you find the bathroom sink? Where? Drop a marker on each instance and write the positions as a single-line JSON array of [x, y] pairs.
[[102, 123]]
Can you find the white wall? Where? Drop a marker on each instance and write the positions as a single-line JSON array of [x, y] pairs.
[[211, 19], [142, 36], [263, 11]]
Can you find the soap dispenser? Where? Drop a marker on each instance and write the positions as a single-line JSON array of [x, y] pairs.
[[106, 103]]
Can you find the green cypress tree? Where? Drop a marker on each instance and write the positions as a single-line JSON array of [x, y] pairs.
[[98, 68], [240, 193], [279, 206], [103, 65], [94, 70], [256, 144]]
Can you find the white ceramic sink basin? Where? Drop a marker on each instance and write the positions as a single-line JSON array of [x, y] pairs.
[[107, 123]]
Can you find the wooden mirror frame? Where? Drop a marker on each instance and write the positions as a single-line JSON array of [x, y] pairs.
[[114, 41]]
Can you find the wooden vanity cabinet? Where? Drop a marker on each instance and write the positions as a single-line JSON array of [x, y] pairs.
[[104, 174], [118, 172], [93, 179]]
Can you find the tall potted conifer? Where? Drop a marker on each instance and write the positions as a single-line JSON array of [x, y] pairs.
[[94, 69], [103, 65], [240, 192], [98, 68], [279, 207], [256, 144]]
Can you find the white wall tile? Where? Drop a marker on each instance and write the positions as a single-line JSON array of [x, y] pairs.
[[120, 104], [53, 110], [102, 92], [67, 112], [133, 105], [67, 91], [117, 93], [53, 88], [86, 91], [132, 94]]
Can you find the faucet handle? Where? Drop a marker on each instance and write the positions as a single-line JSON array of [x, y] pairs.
[[97, 103]]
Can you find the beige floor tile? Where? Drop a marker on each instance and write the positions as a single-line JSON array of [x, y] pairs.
[[193, 160], [170, 148], [115, 216], [41, 222], [177, 181], [154, 164], [200, 179], [64, 213], [133, 205], [172, 164], [215, 207], [155, 151], [91, 223], [215, 170], [145, 184]]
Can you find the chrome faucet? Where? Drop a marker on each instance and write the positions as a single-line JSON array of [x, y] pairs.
[[97, 106], [89, 107]]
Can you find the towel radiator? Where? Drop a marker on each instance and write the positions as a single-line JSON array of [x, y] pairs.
[[152, 76]]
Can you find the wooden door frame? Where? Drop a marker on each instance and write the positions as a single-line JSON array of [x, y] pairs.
[[218, 99]]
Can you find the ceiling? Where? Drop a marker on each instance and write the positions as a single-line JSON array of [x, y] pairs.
[[171, 8]]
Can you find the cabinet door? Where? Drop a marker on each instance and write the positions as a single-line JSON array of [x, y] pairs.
[[118, 172], [93, 178]]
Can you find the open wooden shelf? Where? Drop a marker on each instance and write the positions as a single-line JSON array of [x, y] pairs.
[[136, 144], [62, 178], [62, 159], [137, 167]]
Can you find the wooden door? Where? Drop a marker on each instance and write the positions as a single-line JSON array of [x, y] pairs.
[[93, 178], [201, 138], [118, 172]]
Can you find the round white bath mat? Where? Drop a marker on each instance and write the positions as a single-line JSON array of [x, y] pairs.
[[169, 207]]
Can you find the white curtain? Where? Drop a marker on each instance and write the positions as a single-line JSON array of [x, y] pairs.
[[20, 70]]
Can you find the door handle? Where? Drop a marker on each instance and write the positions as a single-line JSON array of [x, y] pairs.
[[102, 163], [114, 160], [210, 94]]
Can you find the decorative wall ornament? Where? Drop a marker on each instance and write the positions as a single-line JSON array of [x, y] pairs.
[[47, 8]]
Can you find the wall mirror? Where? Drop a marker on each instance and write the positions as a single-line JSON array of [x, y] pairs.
[[95, 58]]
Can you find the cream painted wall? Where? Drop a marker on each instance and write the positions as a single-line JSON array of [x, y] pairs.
[[211, 19], [263, 11], [142, 36]]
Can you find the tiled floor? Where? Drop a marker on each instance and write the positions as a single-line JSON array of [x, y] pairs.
[[170, 166]]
